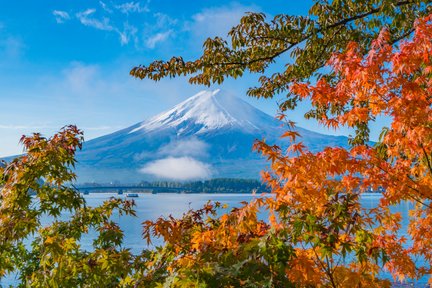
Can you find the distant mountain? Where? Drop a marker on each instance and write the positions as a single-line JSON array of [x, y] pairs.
[[208, 135]]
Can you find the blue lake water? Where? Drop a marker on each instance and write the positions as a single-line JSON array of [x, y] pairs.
[[152, 206]]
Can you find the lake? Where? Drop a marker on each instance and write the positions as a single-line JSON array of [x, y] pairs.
[[151, 206]]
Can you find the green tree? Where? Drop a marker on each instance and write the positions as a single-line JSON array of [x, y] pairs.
[[37, 185]]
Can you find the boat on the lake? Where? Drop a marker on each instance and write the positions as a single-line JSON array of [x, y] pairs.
[[131, 195]]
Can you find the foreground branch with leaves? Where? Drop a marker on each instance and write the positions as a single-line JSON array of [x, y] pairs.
[[34, 186], [377, 57], [378, 61]]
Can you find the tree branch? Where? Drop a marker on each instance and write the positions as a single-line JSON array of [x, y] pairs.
[[319, 30], [427, 158]]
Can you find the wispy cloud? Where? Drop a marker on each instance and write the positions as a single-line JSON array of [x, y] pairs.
[[192, 147], [11, 47], [87, 18], [163, 20], [61, 16], [128, 33], [37, 127], [100, 128], [159, 30], [105, 7], [94, 96], [183, 168], [132, 7], [26, 127], [218, 21], [115, 18], [80, 77], [156, 38]]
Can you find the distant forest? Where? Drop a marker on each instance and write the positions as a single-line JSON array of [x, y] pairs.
[[219, 185]]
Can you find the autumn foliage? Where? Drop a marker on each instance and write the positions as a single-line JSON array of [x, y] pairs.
[[317, 233], [37, 185], [386, 81], [310, 231]]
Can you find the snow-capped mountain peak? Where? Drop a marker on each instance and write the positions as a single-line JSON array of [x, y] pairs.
[[208, 135], [203, 112]]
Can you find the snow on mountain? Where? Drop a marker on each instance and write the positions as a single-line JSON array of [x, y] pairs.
[[208, 135], [210, 109]]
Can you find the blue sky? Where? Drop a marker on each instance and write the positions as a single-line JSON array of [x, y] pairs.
[[67, 62]]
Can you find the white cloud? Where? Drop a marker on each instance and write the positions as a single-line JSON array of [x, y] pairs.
[[86, 18], [88, 95], [61, 16], [163, 20], [99, 128], [160, 29], [192, 147], [156, 38], [114, 18], [129, 32], [84, 81], [132, 7], [218, 21], [36, 127], [80, 77], [11, 47], [183, 168], [13, 126], [105, 7]]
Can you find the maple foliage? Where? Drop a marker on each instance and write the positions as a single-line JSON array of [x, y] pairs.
[[392, 81], [37, 185], [317, 233]]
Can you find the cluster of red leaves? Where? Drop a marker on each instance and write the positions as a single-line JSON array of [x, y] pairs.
[[391, 81]]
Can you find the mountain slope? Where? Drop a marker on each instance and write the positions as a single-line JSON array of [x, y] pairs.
[[207, 135]]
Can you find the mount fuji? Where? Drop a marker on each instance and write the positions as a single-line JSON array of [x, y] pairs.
[[208, 135]]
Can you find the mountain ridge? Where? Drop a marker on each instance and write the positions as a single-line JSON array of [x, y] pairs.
[[209, 135], [211, 131]]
